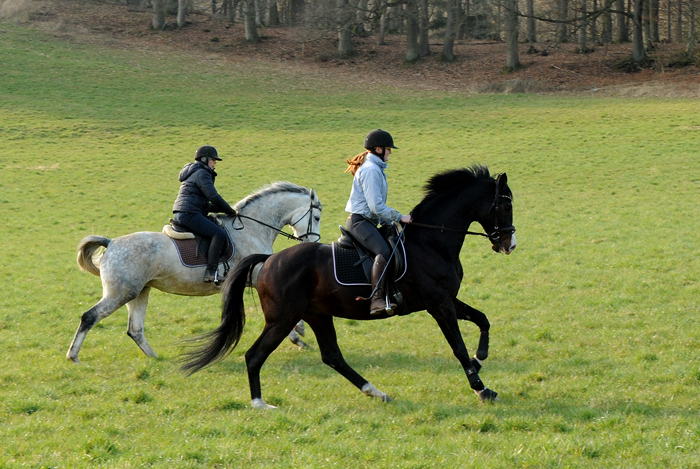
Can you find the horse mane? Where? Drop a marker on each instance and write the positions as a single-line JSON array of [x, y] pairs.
[[275, 187], [448, 182]]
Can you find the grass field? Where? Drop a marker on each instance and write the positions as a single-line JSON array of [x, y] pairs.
[[594, 338]]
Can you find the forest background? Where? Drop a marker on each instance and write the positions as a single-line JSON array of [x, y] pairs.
[[594, 331]]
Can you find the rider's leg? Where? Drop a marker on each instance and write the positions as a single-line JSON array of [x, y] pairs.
[[217, 245], [369, 236]]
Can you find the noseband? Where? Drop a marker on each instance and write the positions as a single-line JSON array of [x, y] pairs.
[[494, 236]]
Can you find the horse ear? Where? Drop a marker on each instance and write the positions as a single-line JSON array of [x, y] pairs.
[[502, 181], [313, 194]]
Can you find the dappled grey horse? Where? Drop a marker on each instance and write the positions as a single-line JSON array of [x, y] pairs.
[[133, 264]]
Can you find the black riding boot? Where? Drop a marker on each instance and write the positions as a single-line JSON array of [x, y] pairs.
[[379, 304], [215, 248]]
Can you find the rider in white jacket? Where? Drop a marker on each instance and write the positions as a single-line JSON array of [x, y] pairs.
[[368, 209]]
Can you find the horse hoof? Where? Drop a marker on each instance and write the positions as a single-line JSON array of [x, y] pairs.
[[259, 404], [487, 395], [73, 359]]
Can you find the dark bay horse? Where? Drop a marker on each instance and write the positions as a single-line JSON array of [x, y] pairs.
[[298, 283]]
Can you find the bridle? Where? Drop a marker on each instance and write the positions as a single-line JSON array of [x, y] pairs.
[[494, 236], [308, 228], [308, 233]]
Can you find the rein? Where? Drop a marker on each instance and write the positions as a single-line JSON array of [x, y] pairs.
[[284, 233], [444, 228], [493, 237]]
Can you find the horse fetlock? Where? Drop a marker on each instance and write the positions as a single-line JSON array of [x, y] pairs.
[[474, 380], [369, 390], [259, 404]]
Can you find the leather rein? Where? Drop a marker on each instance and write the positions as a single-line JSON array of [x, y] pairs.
[[284, 233], [494, 236]]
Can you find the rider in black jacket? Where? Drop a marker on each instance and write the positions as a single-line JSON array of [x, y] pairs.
[[198, 197]]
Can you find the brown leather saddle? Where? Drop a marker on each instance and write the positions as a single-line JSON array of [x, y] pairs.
[[193, 248]]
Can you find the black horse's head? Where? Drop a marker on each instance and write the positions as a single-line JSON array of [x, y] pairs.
[[498, 220], [471, 194]]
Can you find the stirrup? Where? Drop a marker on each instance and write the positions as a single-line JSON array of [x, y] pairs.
[[211, 276]]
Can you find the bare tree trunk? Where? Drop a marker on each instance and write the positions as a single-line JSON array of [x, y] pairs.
[[692, 26], [582, 28], [251, 29], [344, 29], [654, 18], [382, 27], [274, 14], [646, 24], [158, 14], [638, 52], [593, 24], [669, 20], [412, 49], [606, 36], [181, 13], [424, 39], [448, 44], [531, 25], [623, 34], [679, 22], [562, 28], [511, 30]]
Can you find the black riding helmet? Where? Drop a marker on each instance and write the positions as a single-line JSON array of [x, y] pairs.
[[206, 151], [379, 138]]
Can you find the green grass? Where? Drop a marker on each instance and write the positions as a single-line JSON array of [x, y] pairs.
[[594, 317]]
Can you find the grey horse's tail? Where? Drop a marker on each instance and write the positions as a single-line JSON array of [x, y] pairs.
[[86, 252], [222, 340]]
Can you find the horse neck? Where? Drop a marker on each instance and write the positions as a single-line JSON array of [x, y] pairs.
[[450, 212], [276, 209]]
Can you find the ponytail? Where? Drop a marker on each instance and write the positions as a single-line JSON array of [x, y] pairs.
[[355, 162]]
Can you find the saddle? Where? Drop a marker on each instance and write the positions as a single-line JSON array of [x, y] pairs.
[[352, 264], [193, 248]]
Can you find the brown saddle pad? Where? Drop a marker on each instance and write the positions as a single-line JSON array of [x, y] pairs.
[[191, 254]]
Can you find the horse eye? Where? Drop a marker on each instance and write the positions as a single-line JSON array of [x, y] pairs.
[[317, 218]]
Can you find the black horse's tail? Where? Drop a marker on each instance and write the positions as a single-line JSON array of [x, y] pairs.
[[222, 340]]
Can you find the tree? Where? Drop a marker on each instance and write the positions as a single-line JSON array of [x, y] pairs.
[[424, 33], [251, 28], [450, 32], [623, 34], [412, 26], [511, 30], [345, 17], [638, 52], [563, 29], [582, 27], [181, 13], [158, 14], [531, 26]]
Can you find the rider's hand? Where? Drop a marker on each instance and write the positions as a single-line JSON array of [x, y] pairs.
[[406, 218]]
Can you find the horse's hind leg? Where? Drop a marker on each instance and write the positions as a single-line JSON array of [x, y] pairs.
[[272, 336], [101, 310], [324, 330], [137, 316]]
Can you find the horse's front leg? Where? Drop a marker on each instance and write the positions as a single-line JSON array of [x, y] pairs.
[[467, 313], [446, 317]]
